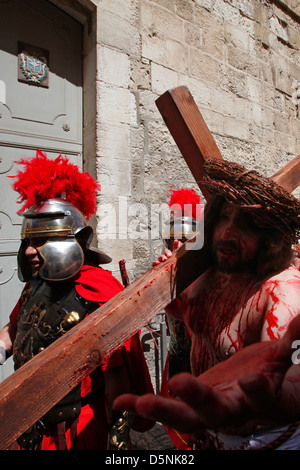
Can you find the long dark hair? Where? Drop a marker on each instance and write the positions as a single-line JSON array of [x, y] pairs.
[[274, 254]]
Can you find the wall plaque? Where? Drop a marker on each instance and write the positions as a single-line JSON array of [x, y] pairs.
[[33, 65]]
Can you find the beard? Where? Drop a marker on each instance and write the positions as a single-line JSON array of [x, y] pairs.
[[228, 258]]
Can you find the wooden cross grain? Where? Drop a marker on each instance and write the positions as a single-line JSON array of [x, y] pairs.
[[196, 143], [32, 390]]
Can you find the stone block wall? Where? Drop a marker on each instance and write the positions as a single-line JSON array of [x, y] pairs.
[[240, 60]]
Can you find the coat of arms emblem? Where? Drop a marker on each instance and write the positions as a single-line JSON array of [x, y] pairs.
[[33, 65]]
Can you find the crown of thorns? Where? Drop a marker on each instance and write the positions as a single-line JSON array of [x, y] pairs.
[[270, 204]]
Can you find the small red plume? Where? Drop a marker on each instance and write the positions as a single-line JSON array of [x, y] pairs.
[[185, 202], [44, 179]]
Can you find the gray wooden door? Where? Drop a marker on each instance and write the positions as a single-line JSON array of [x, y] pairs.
[[40, 107]]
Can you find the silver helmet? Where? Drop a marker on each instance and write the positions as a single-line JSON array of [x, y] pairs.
[[180, 228], [68, 239], [183, 227]]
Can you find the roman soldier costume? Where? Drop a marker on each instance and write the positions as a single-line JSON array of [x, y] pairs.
[[70, 284], [185, 210], [185, 215]]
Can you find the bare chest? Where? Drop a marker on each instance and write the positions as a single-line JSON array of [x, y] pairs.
[[222, 321]]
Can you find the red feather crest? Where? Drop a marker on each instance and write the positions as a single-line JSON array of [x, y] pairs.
[[44, 179], [185, 202]]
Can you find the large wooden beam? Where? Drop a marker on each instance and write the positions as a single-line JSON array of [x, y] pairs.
[[196, 143], [189, 130], [289, 176]]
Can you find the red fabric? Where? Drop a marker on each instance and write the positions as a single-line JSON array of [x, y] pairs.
[[96, 284], [180, 440], [15, 313], [91, 430], [139, 376]]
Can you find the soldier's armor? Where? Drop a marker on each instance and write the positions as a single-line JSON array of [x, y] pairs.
[[47, 312]]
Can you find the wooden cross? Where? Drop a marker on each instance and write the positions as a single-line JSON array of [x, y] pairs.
[[32, 390], [196, 143]]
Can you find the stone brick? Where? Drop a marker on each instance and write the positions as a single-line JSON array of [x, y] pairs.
[[184, 9], [234, 81], [257, 114], [202, 92], [278, 27], [240, 108], [113, 67], [236, 37], [213, 46], [156, 191], [156, 20], [117, 250], [118, 7], [236, 128], [159, 139], [114, 141], [293, 37], [148, 108], [254, 89], [204, 67], [153, 47], [176, 171], [164, 78], [227, 11], [141, 249], [294, 70], [268, 137], [140, 77], [281, 123], [114, 176], [295, 128], [192, 35], [283, 81], [113, 105], [214, 120], [267, 117], [208, 21], [204, 3], [176, 56], [223, 102], [286, 143], [242, 61], [114, 31], [168, 4], [266, 73]]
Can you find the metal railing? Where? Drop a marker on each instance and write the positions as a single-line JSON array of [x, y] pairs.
[[155, 342]]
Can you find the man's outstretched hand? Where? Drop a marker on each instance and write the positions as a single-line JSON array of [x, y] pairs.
[[228, 397]]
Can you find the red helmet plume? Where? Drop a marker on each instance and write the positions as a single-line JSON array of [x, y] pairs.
[[187, 200], [45, 179]]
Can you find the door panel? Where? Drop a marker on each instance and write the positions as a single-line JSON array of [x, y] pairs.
[[55, 111], [34, 116]]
